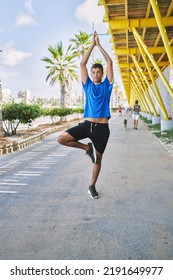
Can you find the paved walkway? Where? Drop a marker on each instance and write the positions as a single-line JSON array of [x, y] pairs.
[[139, 190], [54, 218]]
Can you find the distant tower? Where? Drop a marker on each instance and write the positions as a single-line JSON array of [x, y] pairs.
[[24, 96]]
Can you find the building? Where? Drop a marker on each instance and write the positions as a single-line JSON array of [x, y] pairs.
[[6, 95], [24, 96]]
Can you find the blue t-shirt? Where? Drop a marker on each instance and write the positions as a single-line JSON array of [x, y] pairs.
[[97, 98]]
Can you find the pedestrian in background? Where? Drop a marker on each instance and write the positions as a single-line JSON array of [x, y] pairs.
[[135, 114]]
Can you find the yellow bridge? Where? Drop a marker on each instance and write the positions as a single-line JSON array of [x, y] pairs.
[[142, 39]]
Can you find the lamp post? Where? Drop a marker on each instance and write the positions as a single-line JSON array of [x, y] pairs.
[[1, 126]]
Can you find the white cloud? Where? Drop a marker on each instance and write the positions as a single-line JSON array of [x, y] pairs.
[[12, 57], [28, 5], [90, 12], [24, 19]]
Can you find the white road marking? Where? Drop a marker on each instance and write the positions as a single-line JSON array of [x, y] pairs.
[[10, 163], [43, 163], [61, 155], [8, 191], [14, 184], [31, 172], [40, 167], [27, 174], [10, 180]]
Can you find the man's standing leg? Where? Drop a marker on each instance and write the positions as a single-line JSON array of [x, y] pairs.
[[95, 173]]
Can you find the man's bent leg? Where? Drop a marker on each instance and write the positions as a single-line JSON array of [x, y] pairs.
[[67, 140]]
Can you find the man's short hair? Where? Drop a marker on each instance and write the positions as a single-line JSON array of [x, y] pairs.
[[97, 65]]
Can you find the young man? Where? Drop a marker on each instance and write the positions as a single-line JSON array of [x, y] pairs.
[[96, 113]]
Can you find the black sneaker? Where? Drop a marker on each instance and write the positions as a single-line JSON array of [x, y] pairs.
[[90, 152], [93, 193]]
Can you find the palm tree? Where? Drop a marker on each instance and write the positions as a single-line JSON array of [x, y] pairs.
[[100, 61], [80, 44], [62, 68]]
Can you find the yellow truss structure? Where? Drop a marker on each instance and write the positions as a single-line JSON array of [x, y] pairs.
[[142, 39]]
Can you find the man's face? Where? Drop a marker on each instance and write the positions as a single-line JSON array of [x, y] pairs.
[[96, 74]]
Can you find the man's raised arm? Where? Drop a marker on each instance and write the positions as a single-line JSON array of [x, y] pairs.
[[109, 68], [84, 71]]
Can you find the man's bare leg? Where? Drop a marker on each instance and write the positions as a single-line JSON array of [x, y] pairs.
[[96, 168], [95, 173], [67, 140]]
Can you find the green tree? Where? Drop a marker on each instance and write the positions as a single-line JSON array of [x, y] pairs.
[[100, 61], [80, 44], [61, 67], [14, 114]]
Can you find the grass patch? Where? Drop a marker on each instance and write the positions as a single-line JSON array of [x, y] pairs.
[[154, 126], [165, 136], [158, 134], [146, 120]]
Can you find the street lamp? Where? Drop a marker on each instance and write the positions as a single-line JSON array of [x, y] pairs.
[[1, 126]]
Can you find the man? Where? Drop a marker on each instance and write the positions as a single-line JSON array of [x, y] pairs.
[[96, 113]]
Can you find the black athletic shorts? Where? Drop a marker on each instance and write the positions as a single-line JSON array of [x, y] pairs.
[[97, 132]]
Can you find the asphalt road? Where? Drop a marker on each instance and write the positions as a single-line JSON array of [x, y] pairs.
[[46, 212]]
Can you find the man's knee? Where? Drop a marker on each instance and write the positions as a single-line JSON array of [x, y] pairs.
[[62, 139]]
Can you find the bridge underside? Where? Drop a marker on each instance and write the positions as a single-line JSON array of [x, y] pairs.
[[142, 39]]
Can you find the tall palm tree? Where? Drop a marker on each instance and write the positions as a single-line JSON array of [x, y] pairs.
[[62, 68], [80, 44]]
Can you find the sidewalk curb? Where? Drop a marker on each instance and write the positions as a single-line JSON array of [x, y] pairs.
[[24, 143]]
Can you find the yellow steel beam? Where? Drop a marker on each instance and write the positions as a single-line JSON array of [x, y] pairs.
[[153, 62], [114, 2], [145, 82], [130, 51], [162, 30], [125, 73], [135, 93], [134, 83], [119, 31], [139, 85], [137, 23], [106, 15], [142, 64], [156, 93]]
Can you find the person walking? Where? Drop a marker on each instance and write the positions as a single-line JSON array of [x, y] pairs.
[[96, 113], [135, 115]]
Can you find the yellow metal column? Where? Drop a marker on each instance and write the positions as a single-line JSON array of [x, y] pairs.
[[144, 82], [138, 95], [153, 62], [142, 90], [157, 97], [162, 30]]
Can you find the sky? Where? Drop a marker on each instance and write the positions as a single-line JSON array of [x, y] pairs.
[[28, 27]]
